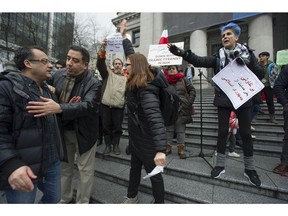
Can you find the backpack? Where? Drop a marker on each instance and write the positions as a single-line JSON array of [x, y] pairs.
[[169, 105], [273, 73]]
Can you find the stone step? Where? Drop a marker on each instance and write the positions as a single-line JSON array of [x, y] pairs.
[[188, 181], [262, 146]]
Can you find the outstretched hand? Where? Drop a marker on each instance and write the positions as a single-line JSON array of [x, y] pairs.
[[123, 26], [175, 50], [46, 107]]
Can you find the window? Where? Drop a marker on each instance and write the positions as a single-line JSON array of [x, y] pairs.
[[136, 37]]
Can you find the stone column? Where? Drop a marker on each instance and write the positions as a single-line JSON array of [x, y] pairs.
[[198, 45], [260, 31]]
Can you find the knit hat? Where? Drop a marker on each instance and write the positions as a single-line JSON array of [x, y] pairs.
[[233, 26], [264, 54]]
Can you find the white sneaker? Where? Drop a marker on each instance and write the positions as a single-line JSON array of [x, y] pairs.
[[253, 136], [233, 154], [252, 128], [130, 200]]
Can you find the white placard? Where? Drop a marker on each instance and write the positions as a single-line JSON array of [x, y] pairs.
[[238, 82], [114, 43], [160, 55]]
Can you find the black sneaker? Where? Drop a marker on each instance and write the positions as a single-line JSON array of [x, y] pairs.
[[217, 172], [252, 177]]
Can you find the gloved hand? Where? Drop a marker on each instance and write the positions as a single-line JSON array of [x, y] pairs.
[[240, 61], [285, 108], [175, 50]]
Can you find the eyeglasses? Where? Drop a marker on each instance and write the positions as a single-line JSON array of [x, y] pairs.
[[126, 64], [171, 68], [43, 60]]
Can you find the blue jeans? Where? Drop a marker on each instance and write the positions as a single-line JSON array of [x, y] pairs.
[[51, 188]]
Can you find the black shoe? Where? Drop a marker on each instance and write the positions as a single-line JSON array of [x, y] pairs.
[[239, 143], [107, 150], [99, 142], [217, 172], [116, 150], [252, 177]]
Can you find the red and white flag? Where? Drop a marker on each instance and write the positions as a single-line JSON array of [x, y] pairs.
[[164, 37]]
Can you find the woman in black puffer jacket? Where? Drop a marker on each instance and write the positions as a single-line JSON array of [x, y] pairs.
[[147, 136]]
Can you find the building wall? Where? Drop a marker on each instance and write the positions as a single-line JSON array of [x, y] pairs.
[[200, 31], [18, 29]]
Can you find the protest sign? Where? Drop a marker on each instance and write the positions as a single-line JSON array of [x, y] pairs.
[[114, 43], [282, 57], [239, 83], [160, 55]]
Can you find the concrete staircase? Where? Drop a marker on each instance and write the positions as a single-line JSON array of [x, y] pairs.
[[189, 181]]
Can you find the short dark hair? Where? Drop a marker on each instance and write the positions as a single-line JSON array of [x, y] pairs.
[[23, 53], [61, 62], [83, 51], [264, 54], [176, 66]]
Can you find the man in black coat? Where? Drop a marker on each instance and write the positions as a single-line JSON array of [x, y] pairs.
[[30, 147], [280, 90], [79, 94]]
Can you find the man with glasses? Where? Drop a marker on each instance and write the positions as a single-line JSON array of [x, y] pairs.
[[79, 92], [31, 147]]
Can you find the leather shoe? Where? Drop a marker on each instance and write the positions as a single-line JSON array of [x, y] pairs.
[[281, 169]]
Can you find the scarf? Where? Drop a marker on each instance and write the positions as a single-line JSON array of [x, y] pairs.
[[66, 92], [173, 78], [227, 56]]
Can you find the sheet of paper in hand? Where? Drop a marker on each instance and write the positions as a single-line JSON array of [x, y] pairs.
[[114, 43], [238, 82]]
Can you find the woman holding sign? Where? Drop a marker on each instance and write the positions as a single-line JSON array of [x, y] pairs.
[[244, 56]]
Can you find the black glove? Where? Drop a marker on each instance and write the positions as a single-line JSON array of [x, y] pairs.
[[176, 51], [240, 61]]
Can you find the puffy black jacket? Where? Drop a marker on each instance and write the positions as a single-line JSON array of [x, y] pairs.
[[145, 122], [84, 113], [21, 134], [221, 99], [281, 86]]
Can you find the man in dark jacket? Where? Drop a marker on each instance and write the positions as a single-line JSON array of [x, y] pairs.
[[31, 147], [280, 90], [79, 94]]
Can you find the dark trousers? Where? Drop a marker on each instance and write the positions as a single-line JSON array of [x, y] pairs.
[[284, 153], [268, 91], [244, 118], [135, 177], [112, 119]]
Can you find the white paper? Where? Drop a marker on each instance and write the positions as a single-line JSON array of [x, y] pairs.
[[238, 82], [114, 43], [155, 171], [160, 55]]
